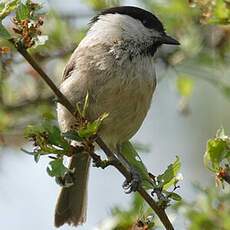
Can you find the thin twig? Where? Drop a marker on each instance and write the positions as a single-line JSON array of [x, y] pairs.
[[120, 167]]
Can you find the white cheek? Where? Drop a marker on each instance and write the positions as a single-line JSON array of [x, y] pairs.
[[106, 30]]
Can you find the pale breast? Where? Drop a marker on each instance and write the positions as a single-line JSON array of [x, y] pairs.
[[126, 97], [122, 89]]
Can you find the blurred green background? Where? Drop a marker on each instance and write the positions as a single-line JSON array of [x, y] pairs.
[[191, 102]]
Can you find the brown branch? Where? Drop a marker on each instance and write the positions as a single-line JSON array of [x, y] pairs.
[[224, 174], [117, 164]]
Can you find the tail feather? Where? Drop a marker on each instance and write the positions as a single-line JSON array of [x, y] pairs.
[[72, 202]]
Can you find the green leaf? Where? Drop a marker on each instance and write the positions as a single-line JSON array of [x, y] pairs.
[[172, 195], [221, 13], [56, 168], [92, 127], [217, 150], [88, 131], [4, 33], [185, 85], [22, 12], [2, 5], [131, 155], [7, 8], [168, 178], [175, 196], [72, 135], [53, 133], [32, 130], [37, 157]]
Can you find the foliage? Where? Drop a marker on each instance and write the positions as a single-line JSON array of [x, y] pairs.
[[49, 141], [170, 177], [158, 184], [213, 11], [217, 156], [210, 210], [6, 7], [191, 26], [27, 22], [138, 211], [197, 48]]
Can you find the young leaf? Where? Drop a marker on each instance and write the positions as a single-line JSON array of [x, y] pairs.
[[22, 12], [135, 161], [175, 196], [7, 8], [32, 130], [2, 5], [72, 136], [92, 127], [4, 34], [56, 168], [54, 135], [169, 176], [218, 149], [37, 157]]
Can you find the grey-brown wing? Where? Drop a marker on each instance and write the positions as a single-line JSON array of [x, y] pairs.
[[69, 68]]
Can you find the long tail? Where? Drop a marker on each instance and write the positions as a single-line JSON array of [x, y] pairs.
[[72, 202]]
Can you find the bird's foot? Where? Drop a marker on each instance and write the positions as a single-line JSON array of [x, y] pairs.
[[132, 184], [99, 163]]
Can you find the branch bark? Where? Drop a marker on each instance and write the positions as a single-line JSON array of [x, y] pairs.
[[119, 166]]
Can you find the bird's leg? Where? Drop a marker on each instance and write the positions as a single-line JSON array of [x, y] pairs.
[[132, 184], [99, 163]]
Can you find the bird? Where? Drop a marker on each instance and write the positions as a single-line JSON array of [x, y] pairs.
[[114, 64]]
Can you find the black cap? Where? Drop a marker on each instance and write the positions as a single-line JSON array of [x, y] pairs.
[[147, 18]]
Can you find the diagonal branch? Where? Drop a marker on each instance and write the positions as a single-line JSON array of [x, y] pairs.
[[120, 167]]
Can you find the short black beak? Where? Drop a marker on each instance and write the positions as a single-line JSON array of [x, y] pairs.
[[165, 39]]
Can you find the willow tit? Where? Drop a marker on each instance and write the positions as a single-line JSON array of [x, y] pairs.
[[114, 64]]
